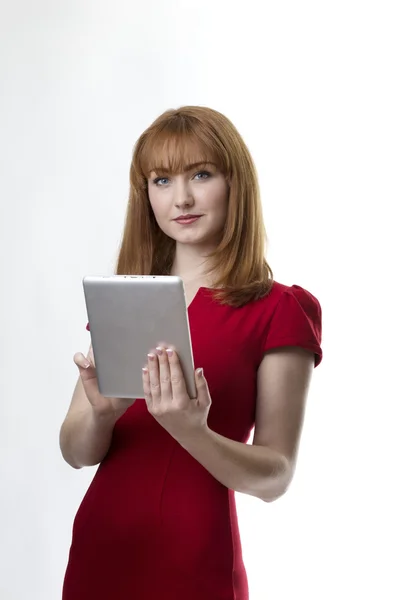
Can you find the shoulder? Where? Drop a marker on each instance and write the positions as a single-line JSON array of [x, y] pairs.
[[291, 316], [295, 289], [279, 301], [303, 297], [281, 293]]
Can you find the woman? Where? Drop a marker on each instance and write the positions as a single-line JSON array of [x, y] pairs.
[[159, 519]]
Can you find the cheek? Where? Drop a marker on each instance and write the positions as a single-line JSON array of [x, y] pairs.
[[220, 201], [157, 206], [153, 206], [160, 216], [216, 197], [161, 212]]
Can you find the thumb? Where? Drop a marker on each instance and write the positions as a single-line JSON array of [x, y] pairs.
[[81, 361], [203, 394], [86, 369]]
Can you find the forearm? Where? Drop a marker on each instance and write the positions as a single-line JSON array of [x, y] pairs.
[[86, 437], [254, 470]]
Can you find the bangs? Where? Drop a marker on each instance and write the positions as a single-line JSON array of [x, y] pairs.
[[173, 150]]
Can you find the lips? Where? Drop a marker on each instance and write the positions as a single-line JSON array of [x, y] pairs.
[[187, 218]]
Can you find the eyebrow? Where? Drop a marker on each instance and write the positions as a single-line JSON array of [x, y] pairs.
[[187, 168], [198, 164]]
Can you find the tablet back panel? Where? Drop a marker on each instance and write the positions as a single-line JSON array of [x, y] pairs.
[[128, 317]]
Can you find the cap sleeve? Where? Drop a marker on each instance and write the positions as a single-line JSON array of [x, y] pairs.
[[296, 321]]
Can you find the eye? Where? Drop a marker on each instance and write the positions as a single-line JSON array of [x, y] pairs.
[[161, 181], [203, 175]]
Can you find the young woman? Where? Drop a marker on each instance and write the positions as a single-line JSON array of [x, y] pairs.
[[159, 519]]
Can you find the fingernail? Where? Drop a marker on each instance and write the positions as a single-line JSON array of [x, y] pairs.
[[159, 351], [170, 351], [200, 372], [151, 356], [85, 364]]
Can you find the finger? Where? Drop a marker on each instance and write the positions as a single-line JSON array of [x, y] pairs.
[[178, 384], [87, 370], [81, 361], [154, 377], [90, 355], [203, 395], [165, 373], [88, 376], [146, 386]]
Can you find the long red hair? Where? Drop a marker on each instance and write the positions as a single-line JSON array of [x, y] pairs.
[[193, 134]]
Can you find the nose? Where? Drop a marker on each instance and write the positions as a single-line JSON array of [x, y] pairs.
[[183, 197]]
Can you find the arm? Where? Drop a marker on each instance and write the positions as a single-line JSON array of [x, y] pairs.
[[85, 435], [86, 432], [266, 468]]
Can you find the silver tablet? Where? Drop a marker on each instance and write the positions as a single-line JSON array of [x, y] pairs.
[[128, 316]]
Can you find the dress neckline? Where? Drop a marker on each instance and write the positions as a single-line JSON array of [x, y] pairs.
[[195, 297], [200, 292]]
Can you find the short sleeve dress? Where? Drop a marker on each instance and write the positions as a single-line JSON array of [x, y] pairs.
[[154, 523]]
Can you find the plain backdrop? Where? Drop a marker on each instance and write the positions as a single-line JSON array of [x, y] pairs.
[[314, 89]]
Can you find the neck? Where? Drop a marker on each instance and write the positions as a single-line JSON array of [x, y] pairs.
[[191, 264]]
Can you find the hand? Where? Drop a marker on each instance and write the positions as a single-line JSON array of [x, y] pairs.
[[167, 398], [101, 405]]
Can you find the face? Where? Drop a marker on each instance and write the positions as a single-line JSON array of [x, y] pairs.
[[190, 207]]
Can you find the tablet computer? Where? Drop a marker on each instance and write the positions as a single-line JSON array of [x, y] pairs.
[[129, 315]]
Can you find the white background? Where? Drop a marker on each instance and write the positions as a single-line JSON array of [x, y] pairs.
[[314, 89]]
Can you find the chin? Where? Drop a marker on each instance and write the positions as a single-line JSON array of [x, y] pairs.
[[189, 242], [194, 237]]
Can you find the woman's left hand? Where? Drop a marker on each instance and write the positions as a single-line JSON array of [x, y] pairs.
[[167, 398]]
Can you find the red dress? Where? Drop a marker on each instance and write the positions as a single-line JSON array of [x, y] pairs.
[[154, 524]]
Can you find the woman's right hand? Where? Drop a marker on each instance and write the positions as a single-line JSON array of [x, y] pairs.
[[102, 406]]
